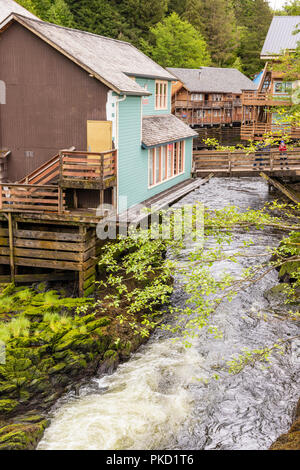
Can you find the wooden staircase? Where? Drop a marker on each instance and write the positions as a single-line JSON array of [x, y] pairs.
[[46, 173]]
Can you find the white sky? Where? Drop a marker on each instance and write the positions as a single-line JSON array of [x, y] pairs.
[[277, 4]]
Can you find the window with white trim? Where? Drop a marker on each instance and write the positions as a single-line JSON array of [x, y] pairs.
[[161, 94], [165, 162], [197, 97]]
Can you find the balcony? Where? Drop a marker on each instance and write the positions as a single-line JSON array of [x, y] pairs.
[[255, 98], [207, 104], [87, 170], [257, 131]]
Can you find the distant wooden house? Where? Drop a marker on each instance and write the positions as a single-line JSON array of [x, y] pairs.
[[85, 120], [259, 106], [209, 96]]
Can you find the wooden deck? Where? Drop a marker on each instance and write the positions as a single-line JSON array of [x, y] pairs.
[[243, 164], [161, 201], [41, 237]]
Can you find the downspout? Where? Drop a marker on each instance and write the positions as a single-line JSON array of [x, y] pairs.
[[117, 196]]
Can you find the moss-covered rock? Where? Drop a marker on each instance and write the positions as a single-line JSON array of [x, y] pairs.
[[6, 406], [22, 436]]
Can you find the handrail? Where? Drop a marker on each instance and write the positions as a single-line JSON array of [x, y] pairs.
[[87, 165], [241, 161], [16, 197]]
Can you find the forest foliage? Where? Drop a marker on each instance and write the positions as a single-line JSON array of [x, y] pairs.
[[175, 33]]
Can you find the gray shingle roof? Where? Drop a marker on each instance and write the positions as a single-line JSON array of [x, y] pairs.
[[9, 6], [164, 128], [280, 36], [109, 60], [213, 80]]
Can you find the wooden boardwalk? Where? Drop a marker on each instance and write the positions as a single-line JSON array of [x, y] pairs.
[[242, 164], [137, 214]]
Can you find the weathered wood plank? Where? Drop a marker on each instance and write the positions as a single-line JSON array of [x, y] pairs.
[[49, 245], [43, 235]]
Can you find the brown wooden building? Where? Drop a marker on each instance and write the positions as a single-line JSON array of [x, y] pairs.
[[74, 125], [259, 106], [209, 96]]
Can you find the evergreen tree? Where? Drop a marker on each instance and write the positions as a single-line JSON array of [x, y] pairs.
[[178, 44], [215, 20], [59, 13], [254, 18], [29, 5], [237, 64], [99, 17]]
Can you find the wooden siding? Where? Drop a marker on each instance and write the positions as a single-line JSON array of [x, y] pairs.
[[148, 102], [133, 159], [49, 100]]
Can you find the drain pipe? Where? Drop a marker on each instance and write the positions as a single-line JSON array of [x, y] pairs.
[[121, 99]]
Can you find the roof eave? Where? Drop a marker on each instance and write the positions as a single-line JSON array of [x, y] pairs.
[[91, 72], [152, 77], [145, 146]]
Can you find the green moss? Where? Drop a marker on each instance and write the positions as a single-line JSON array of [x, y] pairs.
[[110, 354], [100, 322], [57, 368], [22, 436], [6, 406]]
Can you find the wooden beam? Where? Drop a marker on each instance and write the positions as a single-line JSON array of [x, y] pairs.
[[11, 248], [287, 192]]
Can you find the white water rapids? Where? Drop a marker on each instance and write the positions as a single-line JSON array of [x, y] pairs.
[[156, 400]]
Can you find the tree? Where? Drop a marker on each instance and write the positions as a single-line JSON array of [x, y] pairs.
[[29, 5], [99, 17], [237, 64], [254, 18], [59, 13], [291, 8], [216, 22], [178, 44]]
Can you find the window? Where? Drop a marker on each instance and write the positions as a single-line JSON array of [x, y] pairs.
[[217, 97], [282, 87], [197, 97], [200, 113], [217, 112], [165, 162], [161, 95]]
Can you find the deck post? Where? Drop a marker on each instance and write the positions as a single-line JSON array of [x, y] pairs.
[[60, 199], [11, 247], [101, 166], [229, 163]]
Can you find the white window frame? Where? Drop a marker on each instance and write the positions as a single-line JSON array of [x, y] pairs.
[[197, 96], [174, 163], [161, 94]]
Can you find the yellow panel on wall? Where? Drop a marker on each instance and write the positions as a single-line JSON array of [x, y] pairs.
[[99, 136]]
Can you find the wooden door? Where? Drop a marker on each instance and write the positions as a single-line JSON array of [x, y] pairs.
[[99, 136]]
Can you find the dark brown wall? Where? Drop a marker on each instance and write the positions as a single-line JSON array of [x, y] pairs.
[[48, 101]]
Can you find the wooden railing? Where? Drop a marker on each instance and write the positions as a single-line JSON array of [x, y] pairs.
[[16, 197], [239, 162], [44, 173], [87, 165], [252, 98], [249, 131], [205, 104]]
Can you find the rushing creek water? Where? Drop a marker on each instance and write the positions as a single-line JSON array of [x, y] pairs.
[[156, 400]]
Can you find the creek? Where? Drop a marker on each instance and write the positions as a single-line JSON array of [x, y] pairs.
[[158, 400]]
